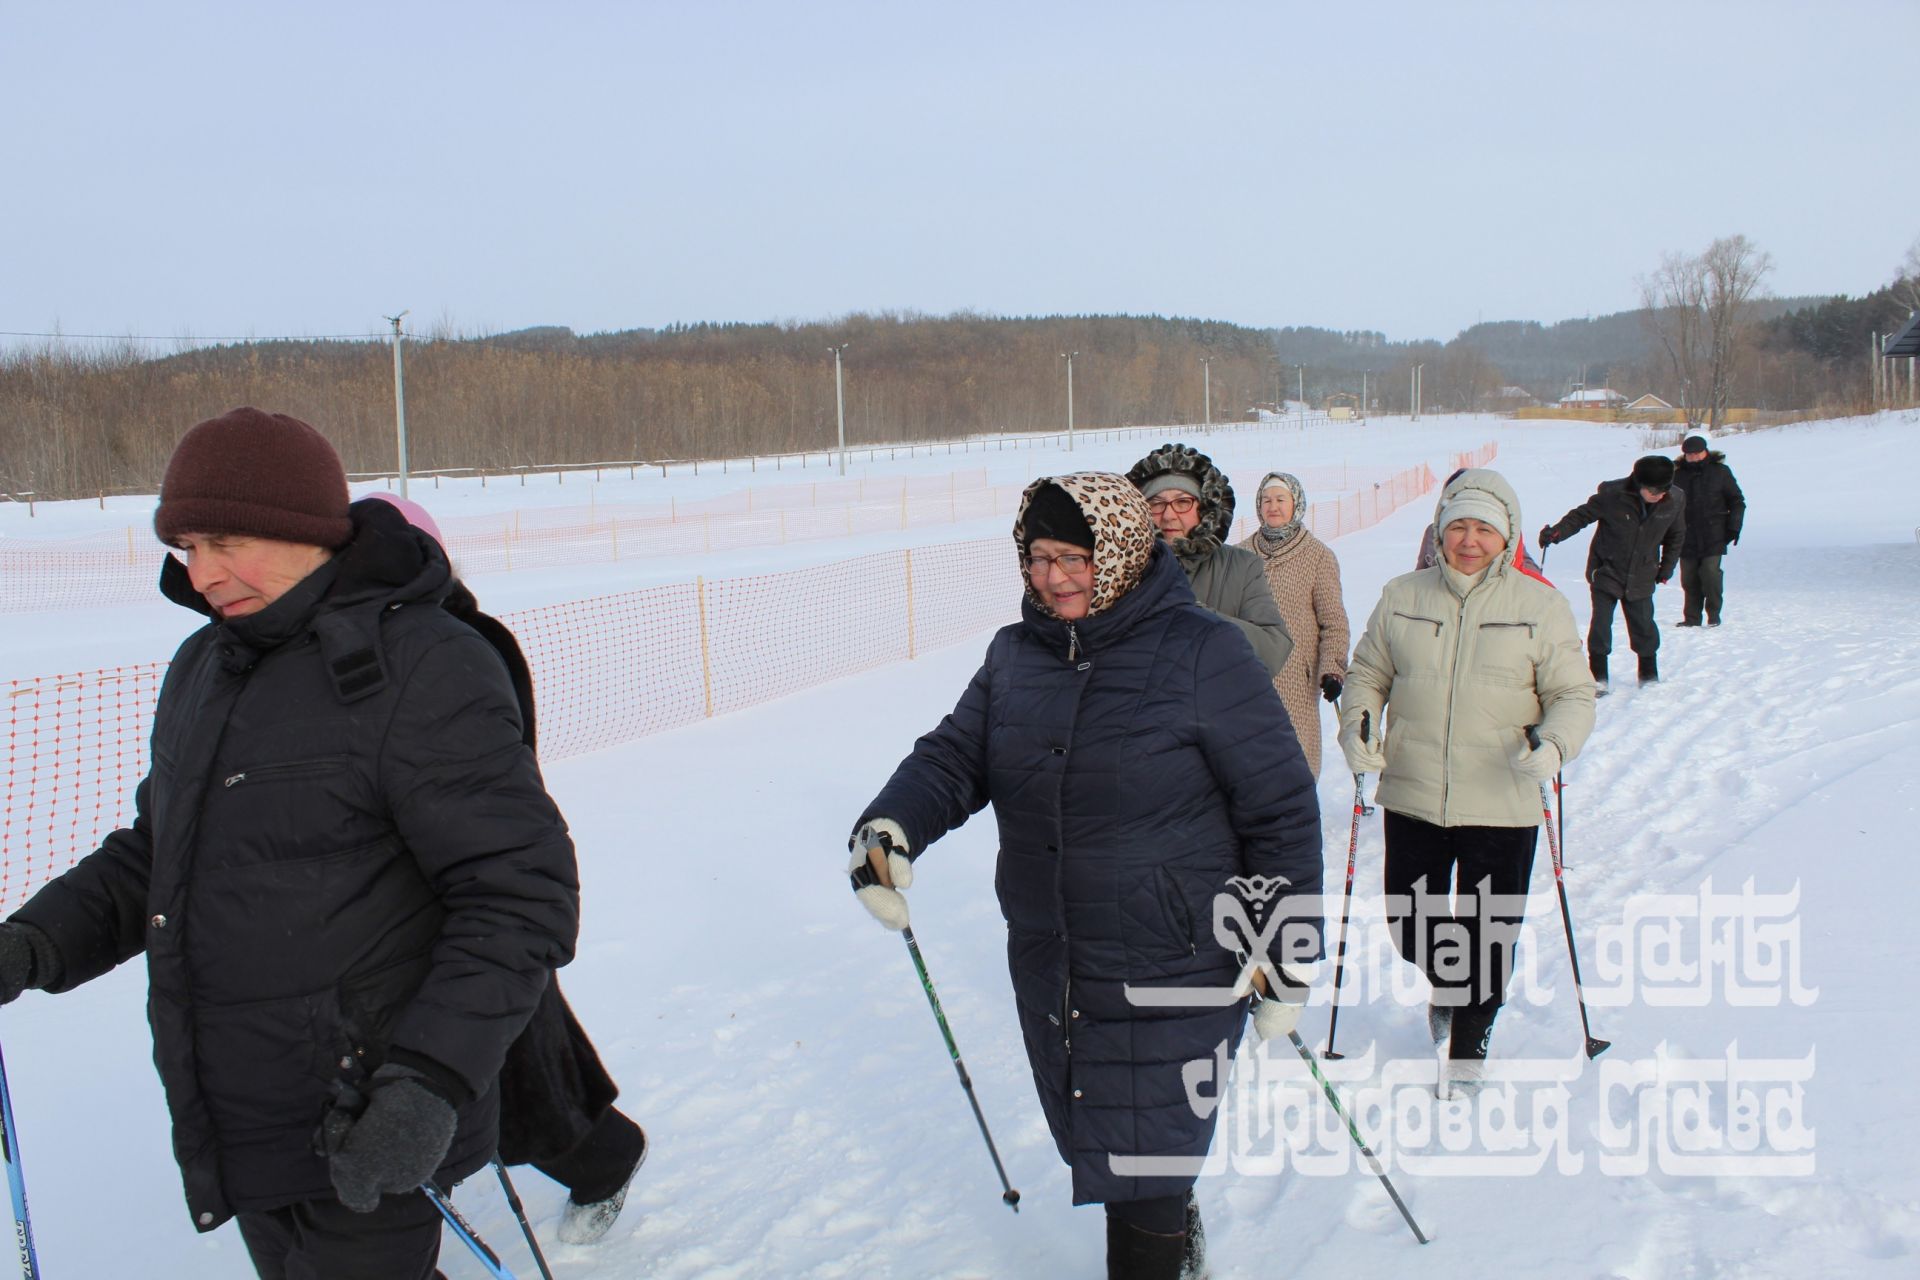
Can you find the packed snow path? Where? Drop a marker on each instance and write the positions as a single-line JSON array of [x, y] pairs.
[[805, 1117]]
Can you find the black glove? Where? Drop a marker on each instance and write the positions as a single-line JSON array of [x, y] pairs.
[[1733, 539], [1664, 578], [27, 960], [1330, 688], [395, 1144], [1546, 535]]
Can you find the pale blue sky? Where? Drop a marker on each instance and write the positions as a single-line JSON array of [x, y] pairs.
[[278, 168]]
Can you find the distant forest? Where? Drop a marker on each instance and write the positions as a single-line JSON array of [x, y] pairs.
[[79, 419]]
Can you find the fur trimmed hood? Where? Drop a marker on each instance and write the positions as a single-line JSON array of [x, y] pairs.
[[1216, 495]]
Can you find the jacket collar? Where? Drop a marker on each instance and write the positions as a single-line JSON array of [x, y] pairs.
[[387, 563]]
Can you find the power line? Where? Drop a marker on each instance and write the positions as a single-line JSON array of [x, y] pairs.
[[178, 337]]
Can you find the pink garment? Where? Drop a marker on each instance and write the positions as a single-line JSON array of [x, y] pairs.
[[415, 513]]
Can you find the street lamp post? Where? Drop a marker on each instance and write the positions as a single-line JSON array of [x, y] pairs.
[[840, 403], [399, 403], [1068, 357]]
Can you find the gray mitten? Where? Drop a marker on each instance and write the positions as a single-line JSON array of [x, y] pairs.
[[396, 1144]]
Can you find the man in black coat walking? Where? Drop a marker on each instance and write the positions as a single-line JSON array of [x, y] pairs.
[[344, 869], [1716, 509], [1635, 549]]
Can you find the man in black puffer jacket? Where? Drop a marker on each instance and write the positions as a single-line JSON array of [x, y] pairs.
[[1635, 549], [344, 868], [1715, 511]]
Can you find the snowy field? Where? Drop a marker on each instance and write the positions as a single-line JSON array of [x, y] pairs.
[[1740, 864]]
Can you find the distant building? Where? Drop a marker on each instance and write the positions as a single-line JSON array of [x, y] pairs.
[[1649, 403], [1593, 398], [1512, 398]]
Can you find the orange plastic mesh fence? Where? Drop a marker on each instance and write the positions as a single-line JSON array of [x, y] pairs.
[[76, 746], [1476, 458], [607, 670]]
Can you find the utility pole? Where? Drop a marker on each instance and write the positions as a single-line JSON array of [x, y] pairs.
[[840, 403], [1302, 371], [399, 401], [1363, 395], [1068, 357], [1206, 376]]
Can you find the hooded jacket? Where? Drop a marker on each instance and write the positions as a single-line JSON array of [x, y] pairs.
[[1461, 668], [1137, 760], [1229, 580], [1716, 509], [343, 855], [1637, 545]]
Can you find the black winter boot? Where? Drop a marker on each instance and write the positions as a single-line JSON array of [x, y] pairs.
[[1194, 1265], [1599, 668], [1649, 669], [1133, 1254]]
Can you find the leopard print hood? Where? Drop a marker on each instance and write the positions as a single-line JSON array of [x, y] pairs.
[[1123, 534], [1216, 495]]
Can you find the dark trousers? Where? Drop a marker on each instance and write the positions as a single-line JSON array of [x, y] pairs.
[[599, 1165], [325, 1240], [1465, 948], [1162, 1215], [1642, 634], [1701, 582]]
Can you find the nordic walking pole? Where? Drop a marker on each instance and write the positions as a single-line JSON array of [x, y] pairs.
[[1009, 1195], [1333, 1100], [513, 1202], [875, 872], [16, 1182], [1595, 1046], [488, 1258], [1346, 903]]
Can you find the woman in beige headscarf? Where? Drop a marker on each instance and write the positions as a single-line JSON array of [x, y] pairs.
[[1305, 578]]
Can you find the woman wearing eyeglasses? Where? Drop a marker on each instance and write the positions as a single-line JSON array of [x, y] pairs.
[[1141, 775], [1192, 508]]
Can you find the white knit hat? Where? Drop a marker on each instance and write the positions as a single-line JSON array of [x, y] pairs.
[[1476, 504]]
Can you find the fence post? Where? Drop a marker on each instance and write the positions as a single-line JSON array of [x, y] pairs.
[[614, 524], [131, 558], [706, 660], [506, 544], [910, 604]]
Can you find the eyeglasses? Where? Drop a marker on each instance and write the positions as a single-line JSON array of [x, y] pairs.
[[1070, 563], [1180, 503]]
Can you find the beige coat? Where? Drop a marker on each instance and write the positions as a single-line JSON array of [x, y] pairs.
[[1461, 668], [1305, 578]]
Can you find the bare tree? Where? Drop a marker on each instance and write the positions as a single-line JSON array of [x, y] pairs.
[[1732, 269], [1674, 299], [1906, 285]]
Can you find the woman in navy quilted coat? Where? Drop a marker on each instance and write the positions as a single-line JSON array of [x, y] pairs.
[[1153, 808]]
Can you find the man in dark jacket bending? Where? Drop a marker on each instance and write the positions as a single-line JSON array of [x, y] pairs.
[[1715, 511], [344, 868], [1635, 549]]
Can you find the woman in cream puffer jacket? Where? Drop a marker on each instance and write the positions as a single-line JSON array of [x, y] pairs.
[[1462, 658]]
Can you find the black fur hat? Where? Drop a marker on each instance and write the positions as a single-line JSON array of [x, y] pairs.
[[1655, 472]]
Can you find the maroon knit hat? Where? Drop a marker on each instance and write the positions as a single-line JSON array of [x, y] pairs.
[[264, 475]]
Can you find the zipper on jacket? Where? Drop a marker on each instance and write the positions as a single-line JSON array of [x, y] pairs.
[[1435, 623], [264, 771], [1453, 692], [1073, 642], [1066, 1016]]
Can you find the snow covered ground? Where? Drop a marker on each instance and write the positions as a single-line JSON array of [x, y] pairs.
[[806, 1121]]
